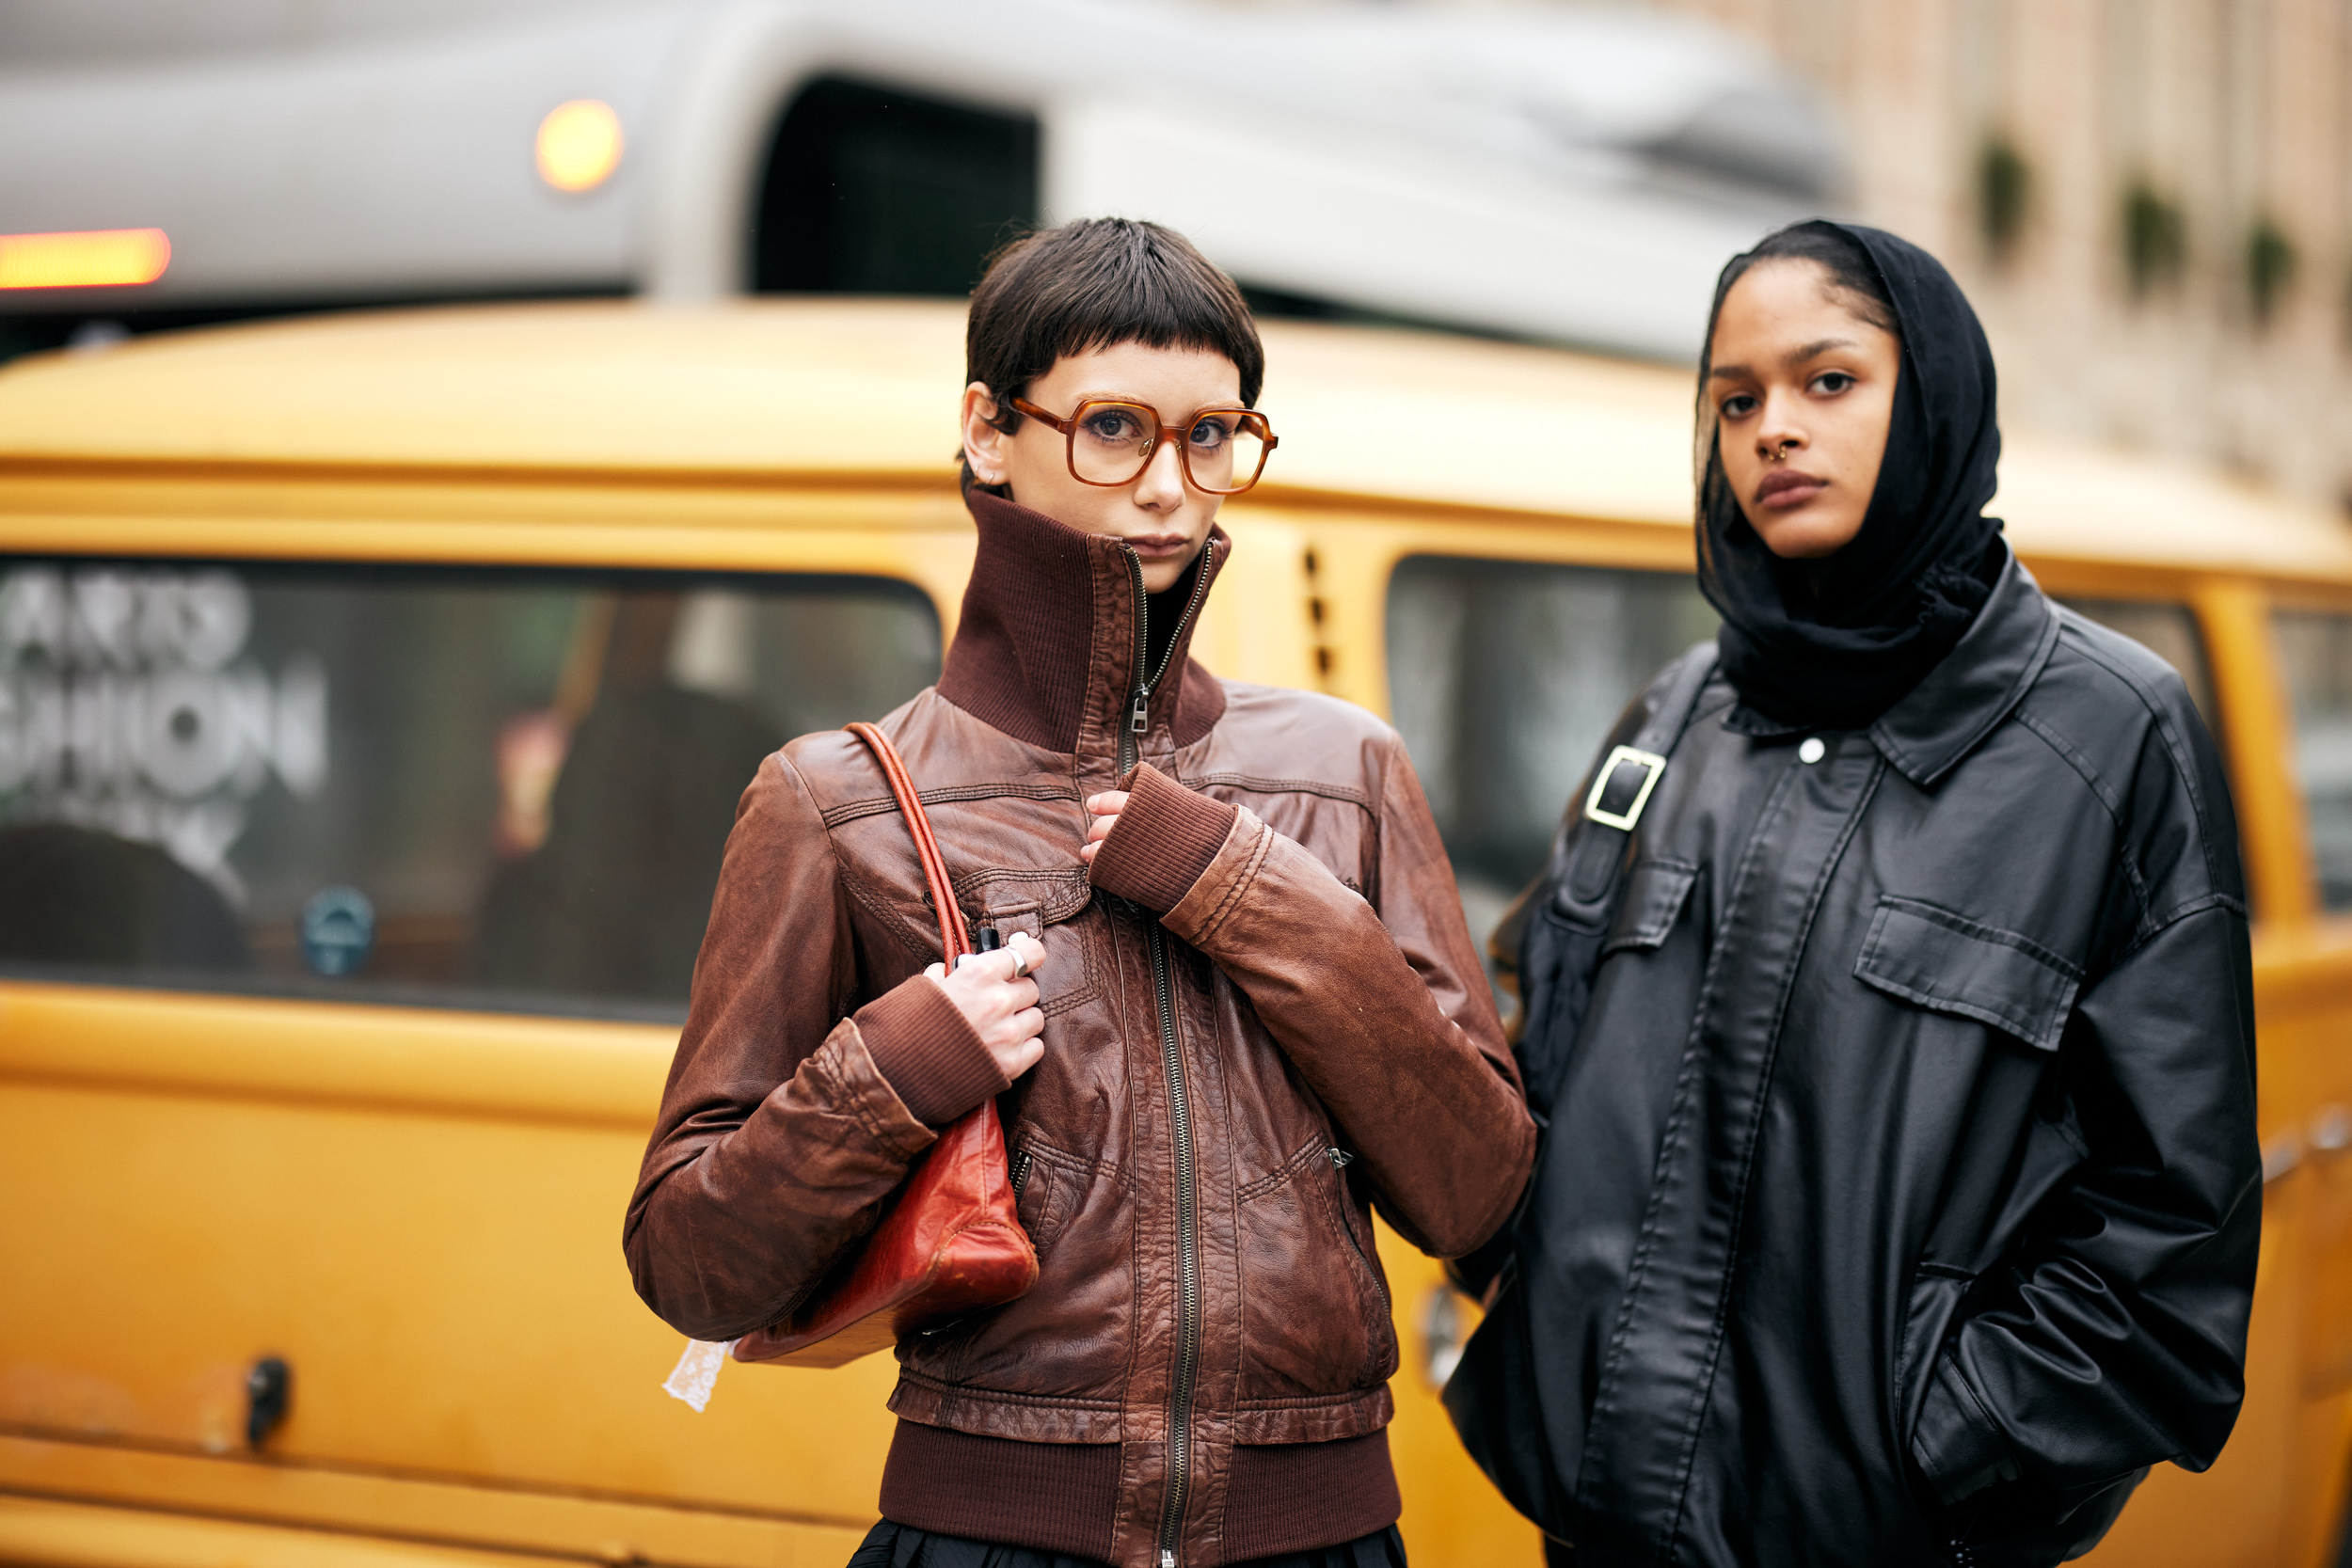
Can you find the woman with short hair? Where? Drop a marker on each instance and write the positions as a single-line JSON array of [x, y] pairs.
[[1237, 1005]]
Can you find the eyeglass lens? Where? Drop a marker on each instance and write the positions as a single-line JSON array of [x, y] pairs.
[[1111, 442]]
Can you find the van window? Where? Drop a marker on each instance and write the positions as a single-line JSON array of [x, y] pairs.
[[464, 787], [2315, 652], [2169, 631], [1503, 678]]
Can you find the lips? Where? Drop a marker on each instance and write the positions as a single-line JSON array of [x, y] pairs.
[[1785, 488], [1152, 544]]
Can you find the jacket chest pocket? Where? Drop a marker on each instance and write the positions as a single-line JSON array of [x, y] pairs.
[[1944, 962], [1046, 905], [1654, 893]]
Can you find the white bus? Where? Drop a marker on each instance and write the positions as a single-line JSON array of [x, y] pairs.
[[1574, 175]]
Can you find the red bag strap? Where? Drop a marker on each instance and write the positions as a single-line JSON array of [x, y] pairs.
[[954, 939]]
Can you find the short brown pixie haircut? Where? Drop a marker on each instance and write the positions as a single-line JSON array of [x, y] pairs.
[[1094, 283]]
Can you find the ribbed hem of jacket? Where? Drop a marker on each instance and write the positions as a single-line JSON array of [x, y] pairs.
[[928, 1053], [1163, 842], [1064, 1497]]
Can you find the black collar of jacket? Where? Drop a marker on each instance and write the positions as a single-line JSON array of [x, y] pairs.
[[1940, 720]]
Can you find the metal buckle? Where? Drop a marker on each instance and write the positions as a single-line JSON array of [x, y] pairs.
[[1650, 760]]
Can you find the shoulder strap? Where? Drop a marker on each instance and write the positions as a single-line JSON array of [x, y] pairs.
[[1622, 786], [954, 939], [1559, 950]]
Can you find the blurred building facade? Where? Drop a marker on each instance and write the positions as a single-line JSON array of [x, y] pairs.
[[2150, 203], [2150, 200]]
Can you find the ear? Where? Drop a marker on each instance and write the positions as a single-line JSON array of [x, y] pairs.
[[983, 443]]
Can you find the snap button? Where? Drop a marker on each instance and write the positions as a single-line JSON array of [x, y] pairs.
[[1811, 749]]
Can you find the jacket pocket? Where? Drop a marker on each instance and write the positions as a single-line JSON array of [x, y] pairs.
[[1936, 1291], [1314, 1313], [1948, 963], [1047, 1188], [1051, 906], [1655, 891]]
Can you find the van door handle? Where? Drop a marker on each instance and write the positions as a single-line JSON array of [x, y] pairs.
[[268, 1392]]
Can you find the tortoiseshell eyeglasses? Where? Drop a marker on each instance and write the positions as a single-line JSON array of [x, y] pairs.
[[1223, 450]]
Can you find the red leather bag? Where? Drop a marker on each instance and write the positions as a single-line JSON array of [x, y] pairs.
[[950, 1242]]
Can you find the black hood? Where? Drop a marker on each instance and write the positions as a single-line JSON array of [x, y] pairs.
[[1834, 642]]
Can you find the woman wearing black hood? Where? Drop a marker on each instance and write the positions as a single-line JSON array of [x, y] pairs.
[[1888, 998]]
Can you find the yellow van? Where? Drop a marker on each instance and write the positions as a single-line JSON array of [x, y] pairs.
[[374, 694]]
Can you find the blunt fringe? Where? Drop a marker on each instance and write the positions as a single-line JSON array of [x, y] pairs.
[[1094, 283]]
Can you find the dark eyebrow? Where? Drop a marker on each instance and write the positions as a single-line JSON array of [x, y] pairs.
[[1795, 356], [1812, 350]]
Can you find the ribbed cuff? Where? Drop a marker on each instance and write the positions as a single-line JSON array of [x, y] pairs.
[[1956, 1444], [1163, 843], [929, 1054]]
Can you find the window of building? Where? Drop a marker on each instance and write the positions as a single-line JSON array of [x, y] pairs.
[[466, 787], [2315, 651]]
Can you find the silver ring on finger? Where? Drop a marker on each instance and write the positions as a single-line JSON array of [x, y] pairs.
[[1020, 964]]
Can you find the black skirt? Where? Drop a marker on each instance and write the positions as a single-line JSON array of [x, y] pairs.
[[889, 1546]]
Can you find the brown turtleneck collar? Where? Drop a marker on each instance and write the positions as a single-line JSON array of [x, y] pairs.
[[1046, 650]]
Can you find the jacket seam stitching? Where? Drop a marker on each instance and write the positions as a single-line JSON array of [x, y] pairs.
[[853, 884], [1313, 1401], [2175, 750], [920, 944], [1703, 1388], [1670, 1135], [2180, 912], [875, 805], [1242, 879], [2110, 801], [952, 1391], [1285, 1172], [1279, 787], [1998, 936]]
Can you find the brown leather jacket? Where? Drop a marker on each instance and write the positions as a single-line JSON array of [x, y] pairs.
[[1262, 1011]]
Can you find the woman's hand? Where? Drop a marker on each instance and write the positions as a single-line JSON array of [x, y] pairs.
[[1105, 807], [1001, 1008]]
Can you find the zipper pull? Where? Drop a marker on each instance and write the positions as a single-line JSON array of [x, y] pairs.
[[1340, 1158], [1168, 1558], [1139, 717], [1020, 1172]]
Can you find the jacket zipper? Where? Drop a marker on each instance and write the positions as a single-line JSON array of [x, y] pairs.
[[1020, 1169], [1179, 1103], [1187, 1254], [1139, 697]]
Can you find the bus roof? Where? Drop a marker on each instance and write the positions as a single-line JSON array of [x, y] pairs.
[[815, 389]]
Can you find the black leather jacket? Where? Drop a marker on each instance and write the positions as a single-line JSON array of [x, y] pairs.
[[1901, 1188]]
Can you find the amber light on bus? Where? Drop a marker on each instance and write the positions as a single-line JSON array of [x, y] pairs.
[[92, 258], [579, 145]]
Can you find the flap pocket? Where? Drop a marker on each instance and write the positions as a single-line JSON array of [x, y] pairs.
[[1654, 893], [1948, 963], [1028, 902], [1017, 900]]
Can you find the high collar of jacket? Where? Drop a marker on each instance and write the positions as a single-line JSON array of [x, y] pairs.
[[1975, 686], [1048, 645], [1971, 689]]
